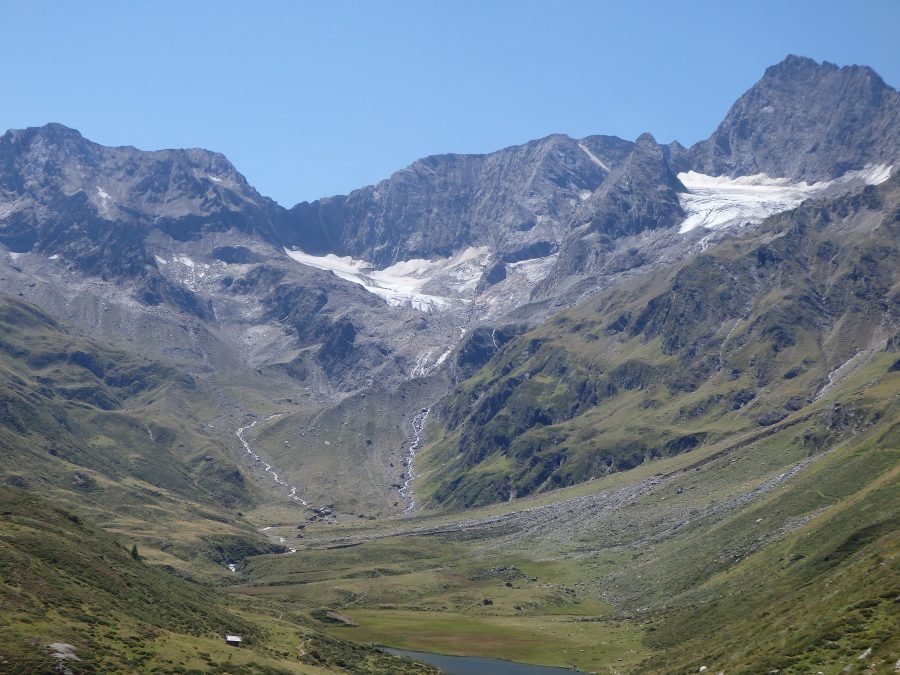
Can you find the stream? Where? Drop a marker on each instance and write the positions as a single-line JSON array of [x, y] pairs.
[[418, 426], [224, 405], [266, 466], [292, 494]]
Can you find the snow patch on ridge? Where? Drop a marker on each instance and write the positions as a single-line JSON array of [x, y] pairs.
[[403, 283], [596, 160], [716, 202]]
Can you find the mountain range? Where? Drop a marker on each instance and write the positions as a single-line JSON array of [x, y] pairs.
[[477, 340]]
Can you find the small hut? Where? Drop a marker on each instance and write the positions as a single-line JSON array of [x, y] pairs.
[[233, 640]]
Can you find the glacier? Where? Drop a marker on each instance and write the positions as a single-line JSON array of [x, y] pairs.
[[403, 283], [716, 202]]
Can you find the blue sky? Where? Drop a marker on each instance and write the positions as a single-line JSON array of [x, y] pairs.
[[310, 99]]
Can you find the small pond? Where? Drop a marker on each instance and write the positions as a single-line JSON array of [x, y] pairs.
[[477, 665]]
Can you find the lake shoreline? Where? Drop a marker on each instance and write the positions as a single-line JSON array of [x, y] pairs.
[[476, 665]]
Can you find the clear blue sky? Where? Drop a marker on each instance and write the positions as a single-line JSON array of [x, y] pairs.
[[310, 99]]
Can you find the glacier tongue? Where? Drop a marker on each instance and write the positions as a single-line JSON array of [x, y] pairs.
[[403, 284], [715, 202]]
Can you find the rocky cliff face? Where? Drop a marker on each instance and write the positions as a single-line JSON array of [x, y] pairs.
[[62, 194], [96, 207], [181, 192], [640, 195], [806, 121], [441, 204], [802, 121]]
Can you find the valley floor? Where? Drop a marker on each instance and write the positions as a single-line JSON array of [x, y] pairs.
[[752, 555]]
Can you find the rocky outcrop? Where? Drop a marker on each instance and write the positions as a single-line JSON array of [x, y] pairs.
[[806, 121], [641, 194]]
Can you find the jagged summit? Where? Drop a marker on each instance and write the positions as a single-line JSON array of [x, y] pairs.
[[61, 193], [51, 130], [533, 219], [74, 162], [512, 197], [553, 205], [794, 66], [805, 121]]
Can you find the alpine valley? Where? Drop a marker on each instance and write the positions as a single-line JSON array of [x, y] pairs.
[[591, 403]]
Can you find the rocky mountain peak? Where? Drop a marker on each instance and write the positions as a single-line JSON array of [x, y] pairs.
[[53, 172], [640, 194], [63, 162], [38, 154], [52, 132], [511, 198], [794, 66], [94, 208], [807, 121], [550, 209]]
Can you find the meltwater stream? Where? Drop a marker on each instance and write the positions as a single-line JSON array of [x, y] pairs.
[[266, 466], [418, 426]]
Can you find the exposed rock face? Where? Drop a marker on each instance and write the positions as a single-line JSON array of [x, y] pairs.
[[801, 121], [47, 173], [95, 206], [480, 346], [60, 193], [641, 194], [807, 121], [508, 199], [556, 195]]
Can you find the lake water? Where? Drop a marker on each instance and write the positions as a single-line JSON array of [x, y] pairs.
[[477, 665]]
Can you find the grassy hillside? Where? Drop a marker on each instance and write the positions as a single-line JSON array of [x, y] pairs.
[[737, 338], [77, 403], [65, 582], [821, 599], [121, 439], [96, 436]]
